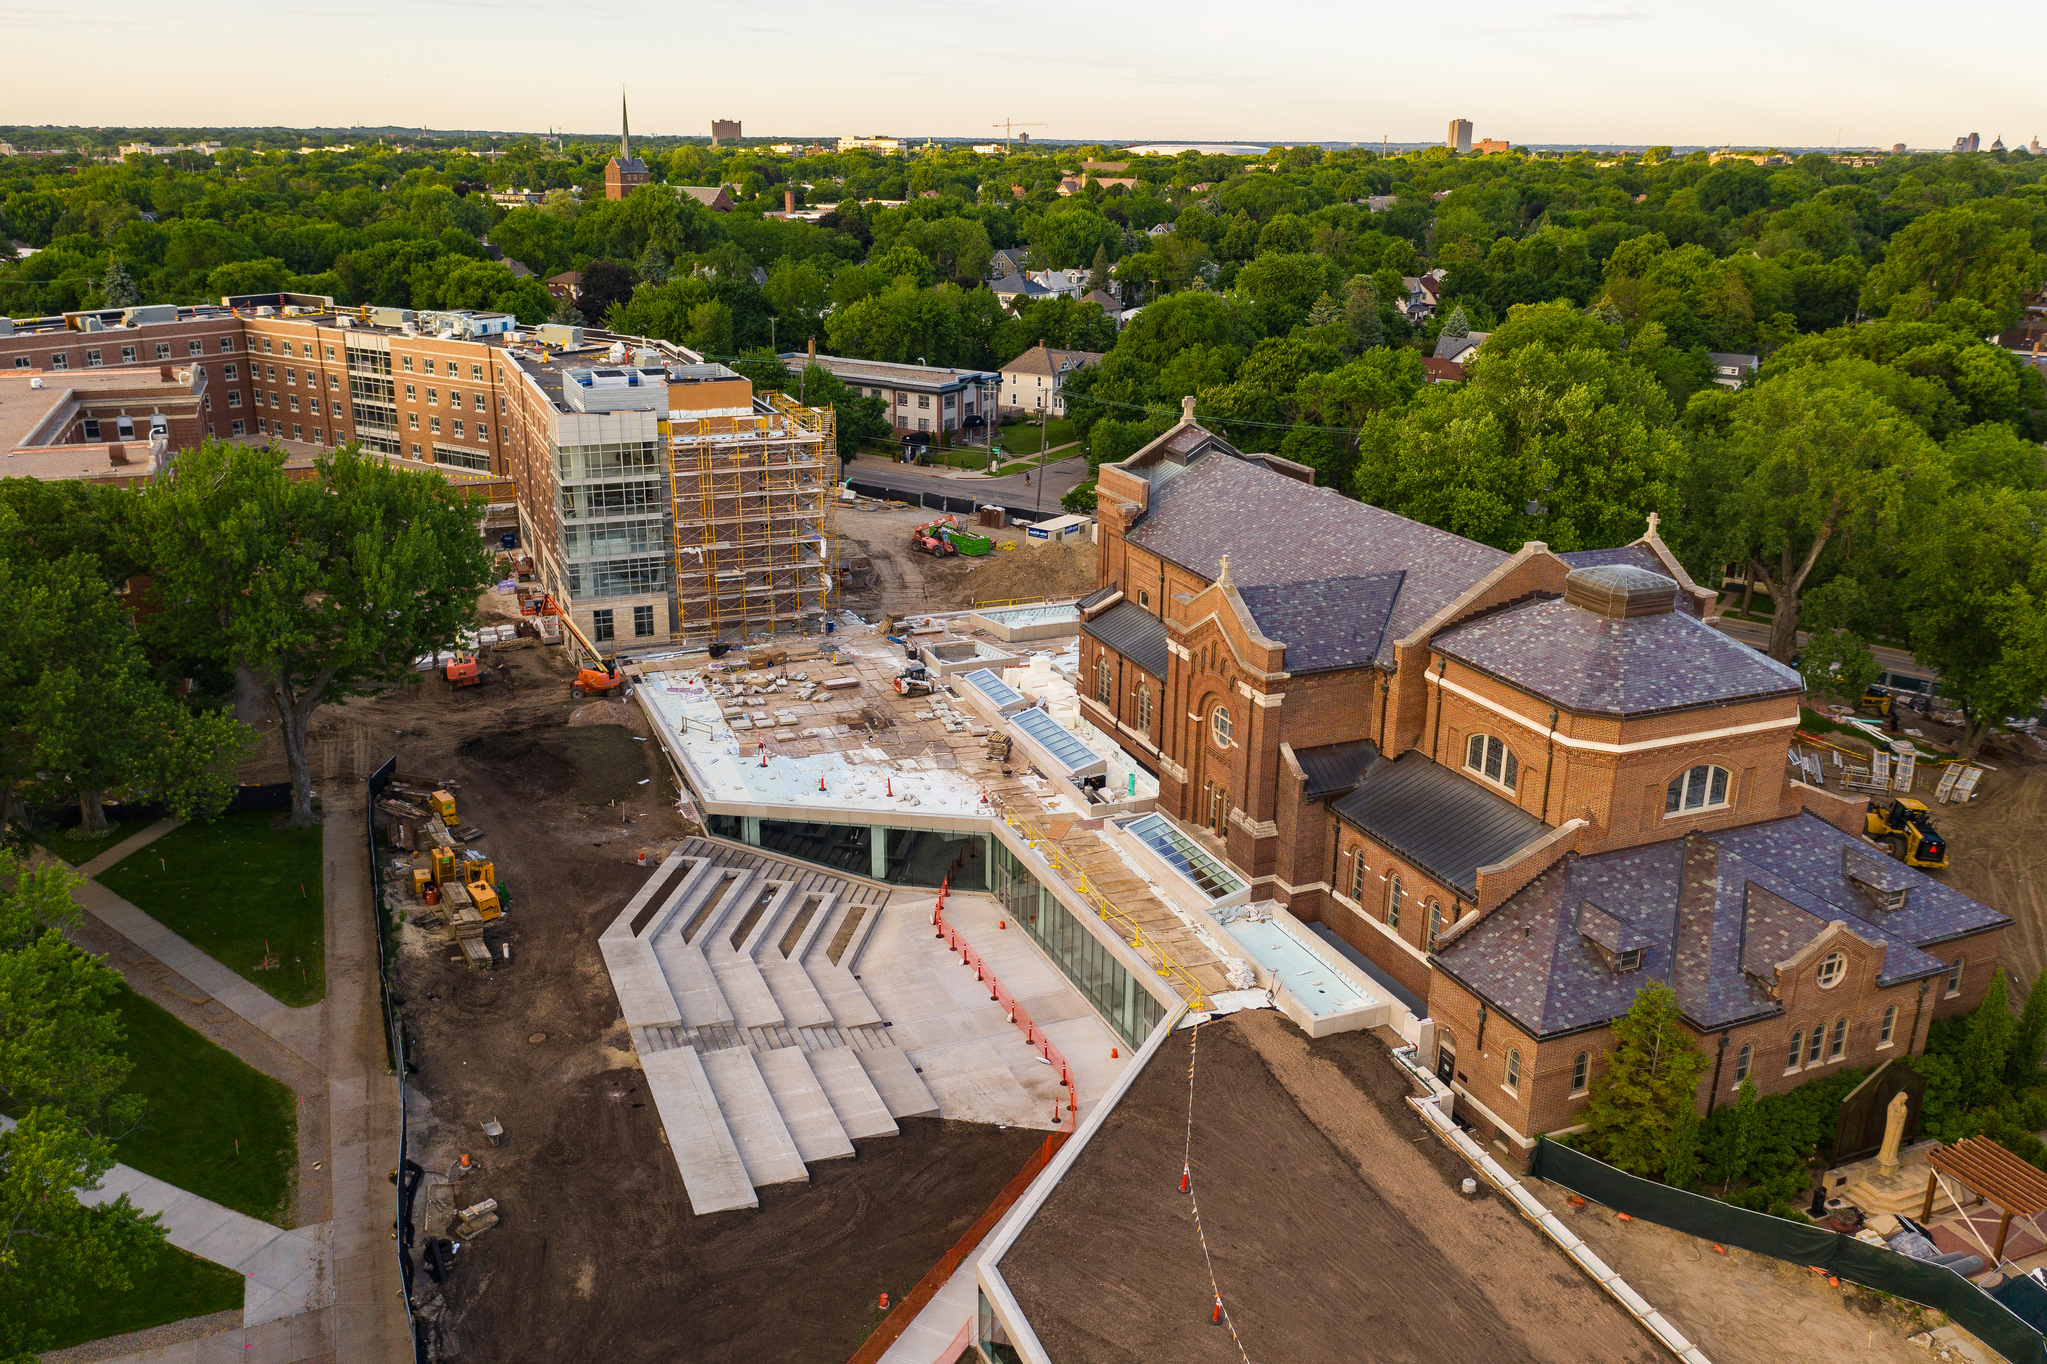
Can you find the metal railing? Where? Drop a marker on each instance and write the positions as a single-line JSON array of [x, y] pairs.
[[1048, 848]]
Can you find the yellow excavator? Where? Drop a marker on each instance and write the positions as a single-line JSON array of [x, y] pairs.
[[1905, 826]]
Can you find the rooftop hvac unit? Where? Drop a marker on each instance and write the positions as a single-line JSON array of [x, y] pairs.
[[646, 357], [266, 311]]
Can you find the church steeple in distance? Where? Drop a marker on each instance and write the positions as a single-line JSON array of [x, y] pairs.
[[625, 129]]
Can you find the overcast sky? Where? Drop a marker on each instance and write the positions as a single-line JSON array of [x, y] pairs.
[[1807, 72]]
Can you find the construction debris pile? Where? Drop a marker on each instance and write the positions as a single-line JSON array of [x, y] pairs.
[[456, 889]]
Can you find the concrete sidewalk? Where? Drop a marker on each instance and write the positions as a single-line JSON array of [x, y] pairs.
[[299, 1029], [372, 1324]]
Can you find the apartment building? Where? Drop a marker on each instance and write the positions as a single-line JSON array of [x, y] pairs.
[[1519, 786], [605, 442], [920, 398]]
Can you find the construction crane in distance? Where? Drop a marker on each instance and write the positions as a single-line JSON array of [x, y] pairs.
[[1009, 123]]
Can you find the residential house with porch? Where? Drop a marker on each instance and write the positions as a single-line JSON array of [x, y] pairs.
[[1034, 383], [1519, 786]]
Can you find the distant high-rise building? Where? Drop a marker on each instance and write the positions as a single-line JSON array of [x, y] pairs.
[[1997, 144], [724, 130], [1897, 149], [625, 172], [1459, 140], [1969, 143]]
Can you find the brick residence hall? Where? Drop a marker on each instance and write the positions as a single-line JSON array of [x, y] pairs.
[[1523, 785]]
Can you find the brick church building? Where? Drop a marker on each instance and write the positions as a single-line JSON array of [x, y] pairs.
[[1521, 785]]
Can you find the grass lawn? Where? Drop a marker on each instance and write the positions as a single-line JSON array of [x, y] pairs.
[[1021, 438], [176, 1287], [77, 849], [232, 885], [203, 1101]]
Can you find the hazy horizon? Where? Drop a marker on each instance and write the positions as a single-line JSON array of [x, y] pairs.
[[1639, 74]]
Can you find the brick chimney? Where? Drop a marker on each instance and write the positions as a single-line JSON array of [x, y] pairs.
[[117, 454], [788, 201], [164, 372]]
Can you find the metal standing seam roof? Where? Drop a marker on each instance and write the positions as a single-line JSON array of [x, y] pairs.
[[1598, 665], [1332, 769], [1100, 594], [1714, 912], [1135, 633], [1288, 535], [1444, 823]]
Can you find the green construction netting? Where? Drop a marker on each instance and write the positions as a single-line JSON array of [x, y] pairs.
[[1871, 1266]]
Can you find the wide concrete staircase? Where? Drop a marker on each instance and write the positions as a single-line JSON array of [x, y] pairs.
[[735, 971]]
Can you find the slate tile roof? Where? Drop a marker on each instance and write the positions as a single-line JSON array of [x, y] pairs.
[[1597, 665], [1326, 622], [1284, 534], [1135, 633], [1444, 823], [1714, 912]]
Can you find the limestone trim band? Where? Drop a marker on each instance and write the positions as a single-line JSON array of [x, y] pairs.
[[1596, 746]]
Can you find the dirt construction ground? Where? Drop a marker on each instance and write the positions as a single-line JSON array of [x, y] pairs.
[[598, 1255], [904, 581], [1334, 1220]]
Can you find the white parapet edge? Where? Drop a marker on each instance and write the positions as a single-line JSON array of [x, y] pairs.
[[1536, 1211], [986, 1268]]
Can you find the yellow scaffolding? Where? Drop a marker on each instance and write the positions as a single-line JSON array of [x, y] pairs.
[[756, 520]]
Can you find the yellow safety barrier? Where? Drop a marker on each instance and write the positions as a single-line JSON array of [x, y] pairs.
[[1012, 601], [1048, 848]]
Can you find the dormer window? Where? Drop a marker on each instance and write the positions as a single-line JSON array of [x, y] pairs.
[[1630, 960], [1490, 758]]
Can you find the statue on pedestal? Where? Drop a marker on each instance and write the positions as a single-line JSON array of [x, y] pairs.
[[1894, 1131]]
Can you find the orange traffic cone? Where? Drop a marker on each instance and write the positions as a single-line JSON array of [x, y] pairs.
[[884, 1302], [1215, 1318], [1186, 1174]]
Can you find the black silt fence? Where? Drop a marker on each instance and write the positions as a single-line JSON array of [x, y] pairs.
[[410, 1172], [1982, 1315]]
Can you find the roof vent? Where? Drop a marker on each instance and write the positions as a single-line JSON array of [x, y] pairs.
[[1620, 592]]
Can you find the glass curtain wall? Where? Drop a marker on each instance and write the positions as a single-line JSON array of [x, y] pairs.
[[1084, 959]]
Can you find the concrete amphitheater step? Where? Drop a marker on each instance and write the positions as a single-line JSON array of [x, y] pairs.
[[832, 981], [764, 1143], [698, 1137], [753, 1003], [853, 1096], [698, 996], [895, 1078], [806, 1109]]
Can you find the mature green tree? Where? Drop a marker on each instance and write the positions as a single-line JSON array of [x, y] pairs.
[[605, 283], [1361, 313], [1633, 1115], [653, 266], [96, 718], [117, 286], [1572, 448], [60, 1073], [1741, 1146], [1992, 454], [321, 588], [1804, 462], [567, 314], [1975, 595], [1986, 1044], [1970, 251], [1838, 664], [2029, 1038]]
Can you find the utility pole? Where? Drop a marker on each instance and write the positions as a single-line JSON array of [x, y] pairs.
[[1044, 439], [771, 334]]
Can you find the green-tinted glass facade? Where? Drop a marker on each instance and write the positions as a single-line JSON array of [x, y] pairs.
[[1084, 958]]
